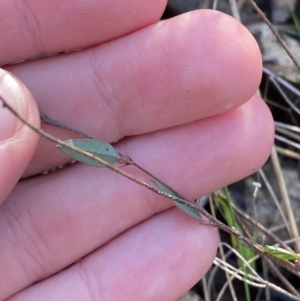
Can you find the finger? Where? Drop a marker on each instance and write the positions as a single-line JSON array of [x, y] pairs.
[[187, 71], [17, 142], [159, 259], [72, 212], [40, 27]]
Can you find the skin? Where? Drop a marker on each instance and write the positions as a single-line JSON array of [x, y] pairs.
[[181, 91]]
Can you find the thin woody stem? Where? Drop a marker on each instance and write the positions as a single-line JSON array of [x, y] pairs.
[[97, 159], [276, 34], [214, 222]]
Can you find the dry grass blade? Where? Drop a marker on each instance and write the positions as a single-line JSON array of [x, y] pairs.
[[287, 141], [286, 200], [273, 195], [256, 281], [287, 152], [231, 288]]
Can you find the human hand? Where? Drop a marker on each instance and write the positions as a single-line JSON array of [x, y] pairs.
[[181, 90]]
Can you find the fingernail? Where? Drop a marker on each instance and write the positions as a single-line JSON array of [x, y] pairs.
[[10, 91]]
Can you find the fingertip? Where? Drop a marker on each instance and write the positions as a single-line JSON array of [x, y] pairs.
[[224, 52], [259, 129], [18, 142], [231, 45]]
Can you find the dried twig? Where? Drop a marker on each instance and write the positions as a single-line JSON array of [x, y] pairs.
[[274, 31], [174, 196]]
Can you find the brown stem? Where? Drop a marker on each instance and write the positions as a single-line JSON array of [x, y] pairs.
[[252, 245]]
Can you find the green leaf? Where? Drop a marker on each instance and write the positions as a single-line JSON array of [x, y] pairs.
[[281, 253], [225, 202], [98, 148], [185, 207]]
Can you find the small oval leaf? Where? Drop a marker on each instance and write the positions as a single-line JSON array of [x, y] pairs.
[[98, 148], [185, 207], [281, 253], [191, 211]]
